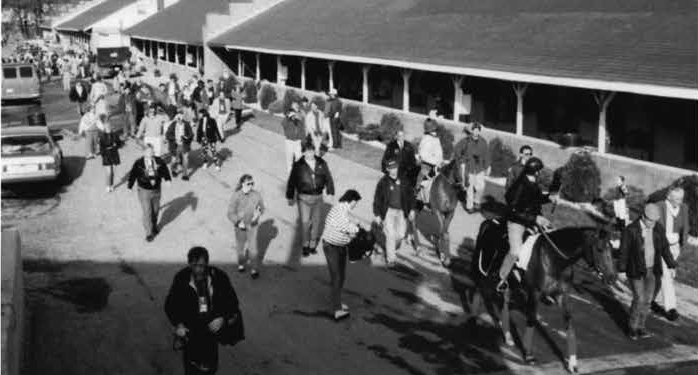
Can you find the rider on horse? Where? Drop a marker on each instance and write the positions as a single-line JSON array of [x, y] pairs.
[[430, 153], [524, 199]]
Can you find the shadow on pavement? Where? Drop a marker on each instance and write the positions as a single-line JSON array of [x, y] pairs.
[[172, 209]]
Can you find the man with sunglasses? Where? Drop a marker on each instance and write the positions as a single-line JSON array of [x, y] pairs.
[[514, 171]]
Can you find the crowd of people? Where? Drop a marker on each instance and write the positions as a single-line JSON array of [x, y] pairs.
[[168, 120]]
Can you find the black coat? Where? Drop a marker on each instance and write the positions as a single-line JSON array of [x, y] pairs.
[[182, 304], [381, 199], [632, 251], [138, 173], [187, 137], [80, 98], [407, 163], [525, 200], [211, 133], [304, 180]]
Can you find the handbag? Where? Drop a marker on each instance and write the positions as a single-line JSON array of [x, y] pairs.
[[233, 331]]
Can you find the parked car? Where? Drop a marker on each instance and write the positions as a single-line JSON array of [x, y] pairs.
[[20, 81], [30, 154]]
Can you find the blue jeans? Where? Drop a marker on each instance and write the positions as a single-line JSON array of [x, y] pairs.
[[643, 293]]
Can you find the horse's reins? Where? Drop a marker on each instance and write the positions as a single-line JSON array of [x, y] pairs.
[[550, 241]]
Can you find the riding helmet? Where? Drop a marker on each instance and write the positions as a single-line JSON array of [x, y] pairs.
[[533, 165]]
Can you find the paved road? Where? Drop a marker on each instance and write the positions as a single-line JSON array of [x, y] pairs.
[[95, 288]]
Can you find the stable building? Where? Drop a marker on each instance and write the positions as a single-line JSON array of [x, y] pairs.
[[621, 79]]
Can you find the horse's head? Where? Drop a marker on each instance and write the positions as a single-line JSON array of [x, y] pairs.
[[600, 256]]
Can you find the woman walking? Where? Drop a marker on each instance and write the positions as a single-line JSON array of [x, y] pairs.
[[109, 143], [246, 206], [208, 135], [340, 228], [79, 95]]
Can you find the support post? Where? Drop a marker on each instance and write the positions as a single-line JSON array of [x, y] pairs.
[[303, 61], [278, 70], [330, 67], [603, 99], [364, 93], [520, 91], [457, 96], [406, 73], [258, 71], [241, 68]]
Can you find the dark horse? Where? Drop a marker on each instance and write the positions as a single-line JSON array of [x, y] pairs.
[[443, 200], [549, 273]]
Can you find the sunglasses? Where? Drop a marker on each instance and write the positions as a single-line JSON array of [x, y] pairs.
[[251, 183], [528, 154]]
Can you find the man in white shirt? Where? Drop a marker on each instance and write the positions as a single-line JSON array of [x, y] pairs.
[[317, 126], [430, 152], [221, 109]]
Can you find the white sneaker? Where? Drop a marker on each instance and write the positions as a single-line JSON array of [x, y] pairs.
[[345, 307], [218, 168], [340, 314]]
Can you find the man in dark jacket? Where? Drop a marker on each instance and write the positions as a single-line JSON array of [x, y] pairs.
[[179, 136], [643, 246], [201, 304], [393, 204], [294, 131], [334, 110], [149, 171], [515, 170], [524, 200], [310, 176], [208, 135], [405, 154]]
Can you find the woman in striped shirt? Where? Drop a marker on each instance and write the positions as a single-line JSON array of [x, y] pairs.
[[339, 231]]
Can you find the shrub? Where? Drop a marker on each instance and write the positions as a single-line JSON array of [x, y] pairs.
[[370, 132], [580, 178], [290, 96], [267, 95], [690, 187], [277, 107], [446, 138], [250, 89], [319, 101], [351, 118], [502, 157], [389, 126]]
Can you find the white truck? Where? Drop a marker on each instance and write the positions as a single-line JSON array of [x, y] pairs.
[[112, 49]]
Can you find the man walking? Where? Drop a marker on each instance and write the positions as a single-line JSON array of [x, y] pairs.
[[515, 170], [129, 112], [643, 246], [151, 129], [179, 136], [89, 127], [477, 158], [221, 109], [334, 110], [406, 156], [317, 127], [236, 101], [294, 131], [393, 203], [201, 306], [673, 216], [149, 171], [208, 136], [310, 176]]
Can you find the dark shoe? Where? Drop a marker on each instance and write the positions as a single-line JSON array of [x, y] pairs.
[[659, 310], [254, 274], [156, 231], [633, 335], [672, 315], [306, 251], [185, 178], [313, 250], [149, 238], [643, 334]]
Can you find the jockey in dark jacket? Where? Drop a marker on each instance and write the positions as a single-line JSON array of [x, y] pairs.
[[525, 200]]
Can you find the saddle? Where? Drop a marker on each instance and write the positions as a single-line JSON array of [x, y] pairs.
[[493, 246]]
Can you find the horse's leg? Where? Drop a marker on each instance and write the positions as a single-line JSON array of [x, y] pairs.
[[531, 321], [571, 362], [412, 232], [444, 244], [505, 319]]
